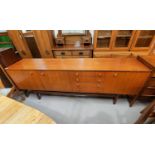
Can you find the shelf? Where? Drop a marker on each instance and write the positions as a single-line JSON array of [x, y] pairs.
[[123, 36], [103, 37], [150, 87], [1, 43], [148, 36]]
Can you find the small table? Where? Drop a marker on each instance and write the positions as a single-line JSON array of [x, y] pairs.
[[14, 112]]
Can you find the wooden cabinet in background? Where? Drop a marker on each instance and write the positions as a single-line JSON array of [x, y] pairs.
[[73, 45], [20, 43], [45, 42], [7, 57], [144, 39], [127, 43]]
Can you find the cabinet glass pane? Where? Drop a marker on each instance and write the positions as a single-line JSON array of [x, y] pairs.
[[103, 38], [145, 38], [123, 38]]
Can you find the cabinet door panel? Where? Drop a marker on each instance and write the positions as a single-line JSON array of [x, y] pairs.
[[55, 80], [123, 82], [123, 39], [103, 39], [20, 43], [44, 40], [26, 80], [144, 39]]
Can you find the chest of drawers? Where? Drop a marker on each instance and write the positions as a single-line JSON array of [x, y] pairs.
[[125, 76]]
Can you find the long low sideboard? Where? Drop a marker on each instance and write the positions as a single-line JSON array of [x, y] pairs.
[[120, 76]]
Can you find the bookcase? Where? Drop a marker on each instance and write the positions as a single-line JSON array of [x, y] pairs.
[[116, 43]]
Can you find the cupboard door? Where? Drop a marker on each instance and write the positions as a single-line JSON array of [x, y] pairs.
[[103, 39], [143, 40], [28, 80], [123, 82], [20, 43], [44, 39], [123, 39], [55, 80]]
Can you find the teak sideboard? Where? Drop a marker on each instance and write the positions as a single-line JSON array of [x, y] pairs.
[[124, 76]]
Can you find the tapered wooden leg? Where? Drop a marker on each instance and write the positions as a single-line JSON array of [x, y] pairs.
[[38, 95], [115, 98], [11, 92], [132, 101], [27, 93]]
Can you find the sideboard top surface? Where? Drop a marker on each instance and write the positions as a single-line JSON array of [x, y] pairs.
[[86, 64]]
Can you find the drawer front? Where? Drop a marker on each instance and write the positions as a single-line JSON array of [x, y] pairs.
[[84, 81], [109, 82], [62, 53], [81, 53]]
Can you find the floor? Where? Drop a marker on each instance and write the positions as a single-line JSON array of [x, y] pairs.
[[85, 110]]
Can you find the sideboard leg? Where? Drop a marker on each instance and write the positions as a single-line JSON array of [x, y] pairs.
[[115, 98], [27, 93], [132, 101], [38, 95]]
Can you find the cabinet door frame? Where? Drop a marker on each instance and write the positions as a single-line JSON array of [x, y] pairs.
[[102, 48], [20, 43], [115, 32], [134, 48], [45, 43]]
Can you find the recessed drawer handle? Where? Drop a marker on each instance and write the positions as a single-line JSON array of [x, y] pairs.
[[80, 53], [62, 53], [77, 79]]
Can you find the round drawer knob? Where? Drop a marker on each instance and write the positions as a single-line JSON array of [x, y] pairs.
[[98, 85], [99, 80], [115, 74], [77, 74], [77, 79], [42, 74], [99, 74]]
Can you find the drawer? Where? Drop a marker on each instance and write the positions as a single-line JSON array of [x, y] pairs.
[[62, 53], [84, 77], [81, 53]]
